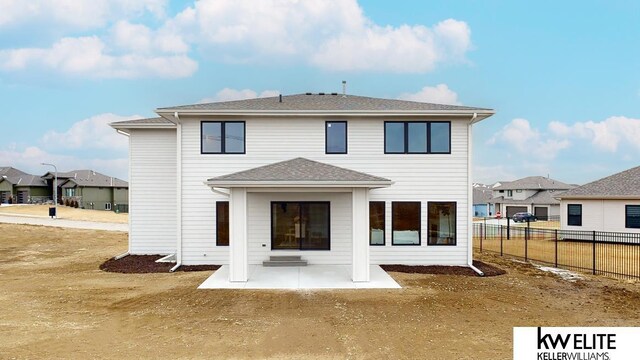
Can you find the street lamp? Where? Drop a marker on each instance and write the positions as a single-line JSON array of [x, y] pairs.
[[55, 189]]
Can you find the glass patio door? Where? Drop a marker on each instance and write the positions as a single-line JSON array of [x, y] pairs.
[[300, 226]]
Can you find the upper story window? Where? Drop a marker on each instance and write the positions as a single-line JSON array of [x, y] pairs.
[[417, 137], [222, 137], [632, 217], [509, 192], [574, 214], [336, 137]]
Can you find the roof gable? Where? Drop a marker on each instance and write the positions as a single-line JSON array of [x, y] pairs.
[[534, 183]]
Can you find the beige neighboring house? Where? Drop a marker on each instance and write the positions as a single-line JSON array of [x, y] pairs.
[[534, 194], [92, 190], [609, 204], [18, 187]]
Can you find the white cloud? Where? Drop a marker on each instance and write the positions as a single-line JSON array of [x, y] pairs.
[[75, 14], [519, 135], [332, 35], [90, 57], [607, 135], [90, 133], [439, 94], [228, 94]]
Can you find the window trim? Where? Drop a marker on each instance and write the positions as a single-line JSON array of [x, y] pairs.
[[299, 202], [406, 137], [223, 150], [384, 223], [107, 206], [326, 137], [626, 217], [218, 227], [569, 216], [455, 222], [419, 226]]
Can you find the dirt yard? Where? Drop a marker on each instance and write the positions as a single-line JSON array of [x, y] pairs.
[[57, 303], [65, 212]]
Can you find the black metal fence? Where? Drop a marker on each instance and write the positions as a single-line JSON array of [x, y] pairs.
[[597, 252]]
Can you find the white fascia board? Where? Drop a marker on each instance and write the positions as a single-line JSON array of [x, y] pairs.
[[609, 197], [303, 184], [142, 126], [482, 114]]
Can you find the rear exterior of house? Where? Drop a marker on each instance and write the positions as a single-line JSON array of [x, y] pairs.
[[336, 179], [610, 204]]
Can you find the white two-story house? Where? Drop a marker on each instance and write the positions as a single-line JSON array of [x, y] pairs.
[[338, 179]]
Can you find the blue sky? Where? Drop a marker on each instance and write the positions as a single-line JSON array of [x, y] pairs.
[[563, 77]]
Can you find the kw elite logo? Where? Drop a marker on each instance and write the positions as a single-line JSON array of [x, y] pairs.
[[565, 343]]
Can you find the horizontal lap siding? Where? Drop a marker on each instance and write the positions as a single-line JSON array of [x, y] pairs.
[[599, 215], [152, 186], [430, 177]]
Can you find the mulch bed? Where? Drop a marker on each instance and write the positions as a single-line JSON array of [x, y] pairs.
[[144, 264], [488, 270]]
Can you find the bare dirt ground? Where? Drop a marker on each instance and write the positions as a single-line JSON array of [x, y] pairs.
[[58, 304], [65, 212]]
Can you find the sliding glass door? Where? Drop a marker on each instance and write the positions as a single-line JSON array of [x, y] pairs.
[[300, 226]]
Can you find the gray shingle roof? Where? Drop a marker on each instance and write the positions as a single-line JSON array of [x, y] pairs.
[[540, 198], [149, 121], [26, 180], [89, 178], [533, 183], [329, 102], [299, 170], [620, 185], [9, 171], [482, 195]]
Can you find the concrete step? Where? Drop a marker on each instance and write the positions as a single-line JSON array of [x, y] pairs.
[[269, 263], [285, 257]]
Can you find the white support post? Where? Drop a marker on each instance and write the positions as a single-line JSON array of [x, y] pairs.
[[238, 259], [360, 224]]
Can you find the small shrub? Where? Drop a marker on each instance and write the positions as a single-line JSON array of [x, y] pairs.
[[66, 202], [75, 204]]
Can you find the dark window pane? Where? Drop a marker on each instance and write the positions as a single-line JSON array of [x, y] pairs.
[[376, 223], [394, 137], [574, 214], [300, 226], [633, 216], [234, 137], [211, 137], [222, 223], [315, 226], [442, 223], [405, 223], [336, 137], [417, 133], [440, 137]]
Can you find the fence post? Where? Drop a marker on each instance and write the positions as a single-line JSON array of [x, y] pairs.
[[526, 246], [501, 240], [508, 229], [556, 243], [594, 252], [485, 227], [481, 238]]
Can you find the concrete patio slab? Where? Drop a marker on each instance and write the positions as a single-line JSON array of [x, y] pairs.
[[300, 278]]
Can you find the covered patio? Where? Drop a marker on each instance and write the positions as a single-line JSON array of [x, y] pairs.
[[298, 178]]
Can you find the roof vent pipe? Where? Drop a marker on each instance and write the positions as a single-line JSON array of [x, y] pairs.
[[344, 88], [280, 100]]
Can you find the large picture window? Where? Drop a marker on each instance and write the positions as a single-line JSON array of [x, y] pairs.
[[222, 137], [222, 223], [632, 216], [300, 226], [574, 214], [405, 223], [441, 218], [336, 137], [376, 222], [417, 137]]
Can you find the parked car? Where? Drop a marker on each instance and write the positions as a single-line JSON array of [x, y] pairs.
[[523, 217]]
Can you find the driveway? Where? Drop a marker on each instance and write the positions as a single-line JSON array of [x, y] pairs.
[[75, 224]]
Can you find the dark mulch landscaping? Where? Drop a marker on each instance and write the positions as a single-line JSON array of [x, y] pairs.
[[143, 264], [488, 270]]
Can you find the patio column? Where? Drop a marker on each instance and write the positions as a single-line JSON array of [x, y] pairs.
[[238, 259], [360, 225]]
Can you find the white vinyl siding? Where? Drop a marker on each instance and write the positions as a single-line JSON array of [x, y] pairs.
[[152, 190], [417, 177], [599, 215]]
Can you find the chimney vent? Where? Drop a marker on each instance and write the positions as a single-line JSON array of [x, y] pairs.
[[308, 94], [344, 88], [334, 94], [321, 93], [280, 97]]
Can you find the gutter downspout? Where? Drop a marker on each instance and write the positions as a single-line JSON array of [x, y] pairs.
[[178, 193], [470, 200]]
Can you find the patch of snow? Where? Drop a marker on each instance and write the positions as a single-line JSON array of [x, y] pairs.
[[562, 273]]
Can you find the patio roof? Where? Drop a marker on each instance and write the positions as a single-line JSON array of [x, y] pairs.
[[298, 172]]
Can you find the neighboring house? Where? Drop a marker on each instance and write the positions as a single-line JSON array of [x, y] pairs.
[[609, 204], [534, 194], [92, 190], [482, 206], [19, 187], [338, 179]]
